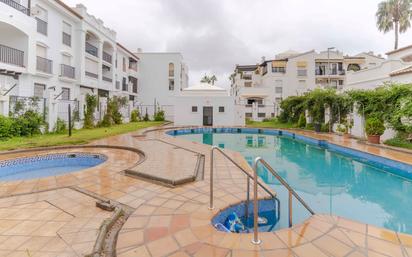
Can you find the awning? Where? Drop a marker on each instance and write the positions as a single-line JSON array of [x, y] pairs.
[[279, 64], [302, 64]]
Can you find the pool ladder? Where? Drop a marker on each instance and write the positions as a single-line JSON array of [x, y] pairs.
[[256, 183]]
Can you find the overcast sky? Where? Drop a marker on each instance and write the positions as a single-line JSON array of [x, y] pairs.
[[215, 35]]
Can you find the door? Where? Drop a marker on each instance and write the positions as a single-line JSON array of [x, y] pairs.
[[207, 116]]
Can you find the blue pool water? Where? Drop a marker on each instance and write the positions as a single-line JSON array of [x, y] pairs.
[[47, 165], [331, 179]]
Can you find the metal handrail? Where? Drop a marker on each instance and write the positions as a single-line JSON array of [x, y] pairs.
[[238, 166], [255, 199]]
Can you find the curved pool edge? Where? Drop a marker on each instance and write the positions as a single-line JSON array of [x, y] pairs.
[[395, 167]]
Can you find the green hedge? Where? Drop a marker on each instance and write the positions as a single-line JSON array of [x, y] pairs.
[[27, 124]]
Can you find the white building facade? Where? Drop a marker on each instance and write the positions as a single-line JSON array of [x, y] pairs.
[[162, 77], [54, 55], [207, 105], [260, 88]]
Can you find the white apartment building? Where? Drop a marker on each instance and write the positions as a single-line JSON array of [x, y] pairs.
[[396, 68], [58, 54], [261, 87], [162, 77]]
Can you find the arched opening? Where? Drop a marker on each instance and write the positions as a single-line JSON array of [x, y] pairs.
[[92, 44], [171, 70], [14, 46], [353, 67]]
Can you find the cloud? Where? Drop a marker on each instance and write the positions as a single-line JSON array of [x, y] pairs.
[[215, 35]]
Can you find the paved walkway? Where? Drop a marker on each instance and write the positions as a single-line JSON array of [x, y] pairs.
[[171, 221]]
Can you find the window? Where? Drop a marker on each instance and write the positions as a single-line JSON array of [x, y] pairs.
[[251, 101], [171, 70], [302, 84], [278, 90], [171, 84], [248, 84], [41, 51], [302, 72], [278, 99], [39, 90], [41, 21], [125, 86], [278, 69], [221, 109], [194, 108], [131, 97], [261, 115], [340, 82], [248, 115], [65, 93], [67, 34], [124, 64]]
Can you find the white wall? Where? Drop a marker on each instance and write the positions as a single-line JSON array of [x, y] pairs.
[[233, 116]]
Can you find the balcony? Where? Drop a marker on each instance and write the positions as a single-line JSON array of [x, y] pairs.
[[133, 66], [91, 75], [67, 39], [107, 57], [41, 26], [67, 71], [16, 6], [44, 65], [11, 56], [107, 79], [91, 49], [319, 72]]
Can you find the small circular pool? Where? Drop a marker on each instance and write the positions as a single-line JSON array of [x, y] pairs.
[[41, 166]]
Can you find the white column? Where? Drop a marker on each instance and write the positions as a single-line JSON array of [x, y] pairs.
[[4, 104], [327, 114], [52, 109], [100, 72], [358, 129]]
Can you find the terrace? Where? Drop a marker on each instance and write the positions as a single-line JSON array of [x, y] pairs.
[[164, 220]]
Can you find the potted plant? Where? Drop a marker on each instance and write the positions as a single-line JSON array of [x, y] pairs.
[[340, 129], [348, 126], [374, 129]]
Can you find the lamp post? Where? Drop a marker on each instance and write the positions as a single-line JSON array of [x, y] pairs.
[[328, 69]]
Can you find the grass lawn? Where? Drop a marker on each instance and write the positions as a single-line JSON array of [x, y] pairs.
[[399, 142], [82, 136], [270, 124]]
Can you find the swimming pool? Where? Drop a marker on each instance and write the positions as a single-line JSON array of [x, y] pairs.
[[47, 165], [330, 178]]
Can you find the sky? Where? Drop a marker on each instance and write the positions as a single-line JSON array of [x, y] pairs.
[[215, 35]]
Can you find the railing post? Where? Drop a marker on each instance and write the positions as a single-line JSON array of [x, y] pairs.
[[290, 209], [247, 196], [255, 240], [211, 207]]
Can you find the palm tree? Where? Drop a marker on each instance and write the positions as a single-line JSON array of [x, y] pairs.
[[213, 79], [394, 14], [205, 79]]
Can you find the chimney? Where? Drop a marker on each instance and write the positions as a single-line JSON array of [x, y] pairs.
[[263, 58], [139, 50]]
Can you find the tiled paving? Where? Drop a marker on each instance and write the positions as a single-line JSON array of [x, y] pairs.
[[171, 221]]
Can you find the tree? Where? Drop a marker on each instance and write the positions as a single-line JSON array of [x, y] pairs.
[[205, 79], [213, 79], [394, 15]]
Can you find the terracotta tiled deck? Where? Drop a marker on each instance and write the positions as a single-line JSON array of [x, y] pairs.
[[169, 221]]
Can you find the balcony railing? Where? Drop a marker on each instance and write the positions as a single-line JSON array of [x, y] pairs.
[[91, 75], [91, 49], [67, 39], [16, 6], [11, 56], [44, 65], [110, 80], [41, 26], [133, 67], [107, 57], [319, 72], [67, 71]]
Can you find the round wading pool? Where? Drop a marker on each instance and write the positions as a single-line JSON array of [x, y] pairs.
[[41, 166]]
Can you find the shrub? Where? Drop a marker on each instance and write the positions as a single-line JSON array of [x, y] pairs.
[[302, 121], [135, 116], [60, 126], [159, 116], [7, 128], [146, 117], [324, 127], [29, 123], [309, 126], [374, 126]]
